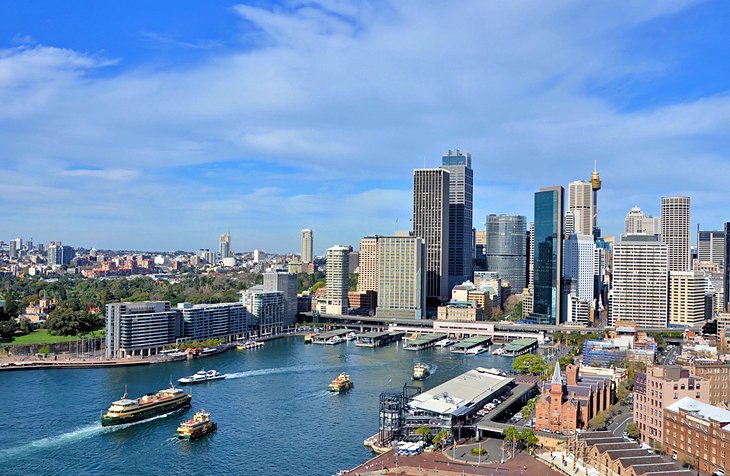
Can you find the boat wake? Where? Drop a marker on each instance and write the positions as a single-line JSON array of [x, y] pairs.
[[277, 370], [79, 434]]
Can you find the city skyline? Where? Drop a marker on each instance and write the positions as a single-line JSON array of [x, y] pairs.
[[215, 116]]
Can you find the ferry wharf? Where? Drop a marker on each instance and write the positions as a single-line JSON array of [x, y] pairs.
[[377, 339]]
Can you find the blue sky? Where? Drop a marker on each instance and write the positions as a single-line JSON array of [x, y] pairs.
[[160, 125]]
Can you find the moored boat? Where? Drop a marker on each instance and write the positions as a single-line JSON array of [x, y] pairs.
[[128, 410], [197, 426], [476, 350], [498, 351], [341, 383], [202, 376], [249, 344], [444, 343], [421, 371]]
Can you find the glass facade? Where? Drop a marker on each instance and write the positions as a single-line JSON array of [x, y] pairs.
[[461, 208], [507, 249], [548, 255]]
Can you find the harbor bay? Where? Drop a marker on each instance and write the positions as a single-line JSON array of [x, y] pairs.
[[274, 412]]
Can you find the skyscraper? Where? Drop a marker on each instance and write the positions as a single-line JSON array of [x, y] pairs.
[[686, 297], [506, 253], [461, 210], [338, 279], [640, 281], [549, 204], [711, 246], [580, 204], [675, 232], [367, 278], [726, 267], [286, 283], [225, 246], [579, 262], [307, 245], [637, 223], [401, 277], [431, 222]]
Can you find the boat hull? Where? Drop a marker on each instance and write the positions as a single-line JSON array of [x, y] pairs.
[[198, 432], [146, 414], [193, 382]]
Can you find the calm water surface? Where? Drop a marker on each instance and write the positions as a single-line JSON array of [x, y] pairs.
[[274, 413]]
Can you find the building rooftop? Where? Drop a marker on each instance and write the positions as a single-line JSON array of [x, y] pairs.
[[461, 392], [701, 410]]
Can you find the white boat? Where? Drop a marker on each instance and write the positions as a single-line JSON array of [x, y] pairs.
[[444, 343], [334, 340], [351, 336], [202, 376], [498, 351], [476, 350]]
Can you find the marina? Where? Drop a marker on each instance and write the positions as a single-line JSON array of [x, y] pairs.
[[377, 339], [469, 343], [422, 341]]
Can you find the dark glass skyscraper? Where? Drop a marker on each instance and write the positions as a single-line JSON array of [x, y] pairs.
[[461, 210], [548, 255], [726, 266], [506, 248]]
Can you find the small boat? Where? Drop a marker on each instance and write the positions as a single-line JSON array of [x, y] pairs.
[[421, 371], [335, 340], [341, 383], [351, 336], [476, 350], [202, 376], [249, 344], [309, 337], [498, 351], [126, 410], [444, 343], [196, 427]]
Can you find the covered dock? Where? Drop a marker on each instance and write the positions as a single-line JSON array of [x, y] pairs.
[[424, 341], [377, 339], [470, 343], [329, 337], [520, 347]]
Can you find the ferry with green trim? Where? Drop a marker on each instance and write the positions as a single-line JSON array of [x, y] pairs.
[[127, 410]]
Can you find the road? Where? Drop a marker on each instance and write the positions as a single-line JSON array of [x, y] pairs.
[[671, 354], [618, 425]]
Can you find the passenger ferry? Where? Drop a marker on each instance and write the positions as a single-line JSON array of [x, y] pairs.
[[421, 371], [126, 410], [444, 343], [249, 344], [476, 350], [196, 427], [202, 376], [341, 383]]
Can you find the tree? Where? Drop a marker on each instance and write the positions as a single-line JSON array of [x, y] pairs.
[[424, 432], [632, 366], [621, 391], [529, 363], [441, 437], [529, 408], [632, 430], [513, 306], [565, 361], [528, 438], [7, 329], [511, 434], [598, 422], [25, 327]]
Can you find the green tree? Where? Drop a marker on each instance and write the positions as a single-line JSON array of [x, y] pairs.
[[25, 327], [424, 432], [7, 329], [440, 438], [529, 408], [621, 391], [632, 367], [529, 363], [528, 438], [598, 422], [511, 434], [565, 361], [632, 430]]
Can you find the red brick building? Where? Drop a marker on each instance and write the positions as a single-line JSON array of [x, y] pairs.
[[565, 407]]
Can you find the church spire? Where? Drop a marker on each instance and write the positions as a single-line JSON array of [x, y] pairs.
[[557, 378]]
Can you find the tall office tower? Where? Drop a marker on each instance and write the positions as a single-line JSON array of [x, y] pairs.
[[580, 260], [401, 277], [60, 254], [637, 223], [686, 297], [581, 205], [259, 256], [13, 248], [307, 245], [431, 222], [461, 210], [506, 253], [726, 268], [549, 204], [640, 281], [711, 246], [531, 258], [569, 224], [480, 250], [225, 246], [286, 283], [675, 232], [595, 187], [338, 280], [367, 278]]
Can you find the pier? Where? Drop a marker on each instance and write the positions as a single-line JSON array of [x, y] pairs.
[[377, 339], [423, 342], [331, 337], [520, 347], [469, 343]]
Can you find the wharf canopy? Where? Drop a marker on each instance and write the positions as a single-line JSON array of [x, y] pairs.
[[460, 397]]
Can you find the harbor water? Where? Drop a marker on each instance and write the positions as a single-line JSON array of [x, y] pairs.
[[274, 413]]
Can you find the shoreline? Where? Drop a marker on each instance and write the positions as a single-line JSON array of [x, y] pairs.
[[85, 363]]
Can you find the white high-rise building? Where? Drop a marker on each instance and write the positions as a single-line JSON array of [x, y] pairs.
[[338, 280], [266, 310], [286, 283], [579, 265], [640, 281], [259, 256], [675, 232], [307, 245], [686, 297], [401, 277], [637, 223], [367, 278], [431, 222], [580, 205]]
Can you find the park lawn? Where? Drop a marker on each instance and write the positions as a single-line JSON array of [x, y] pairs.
[[42, 336]]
